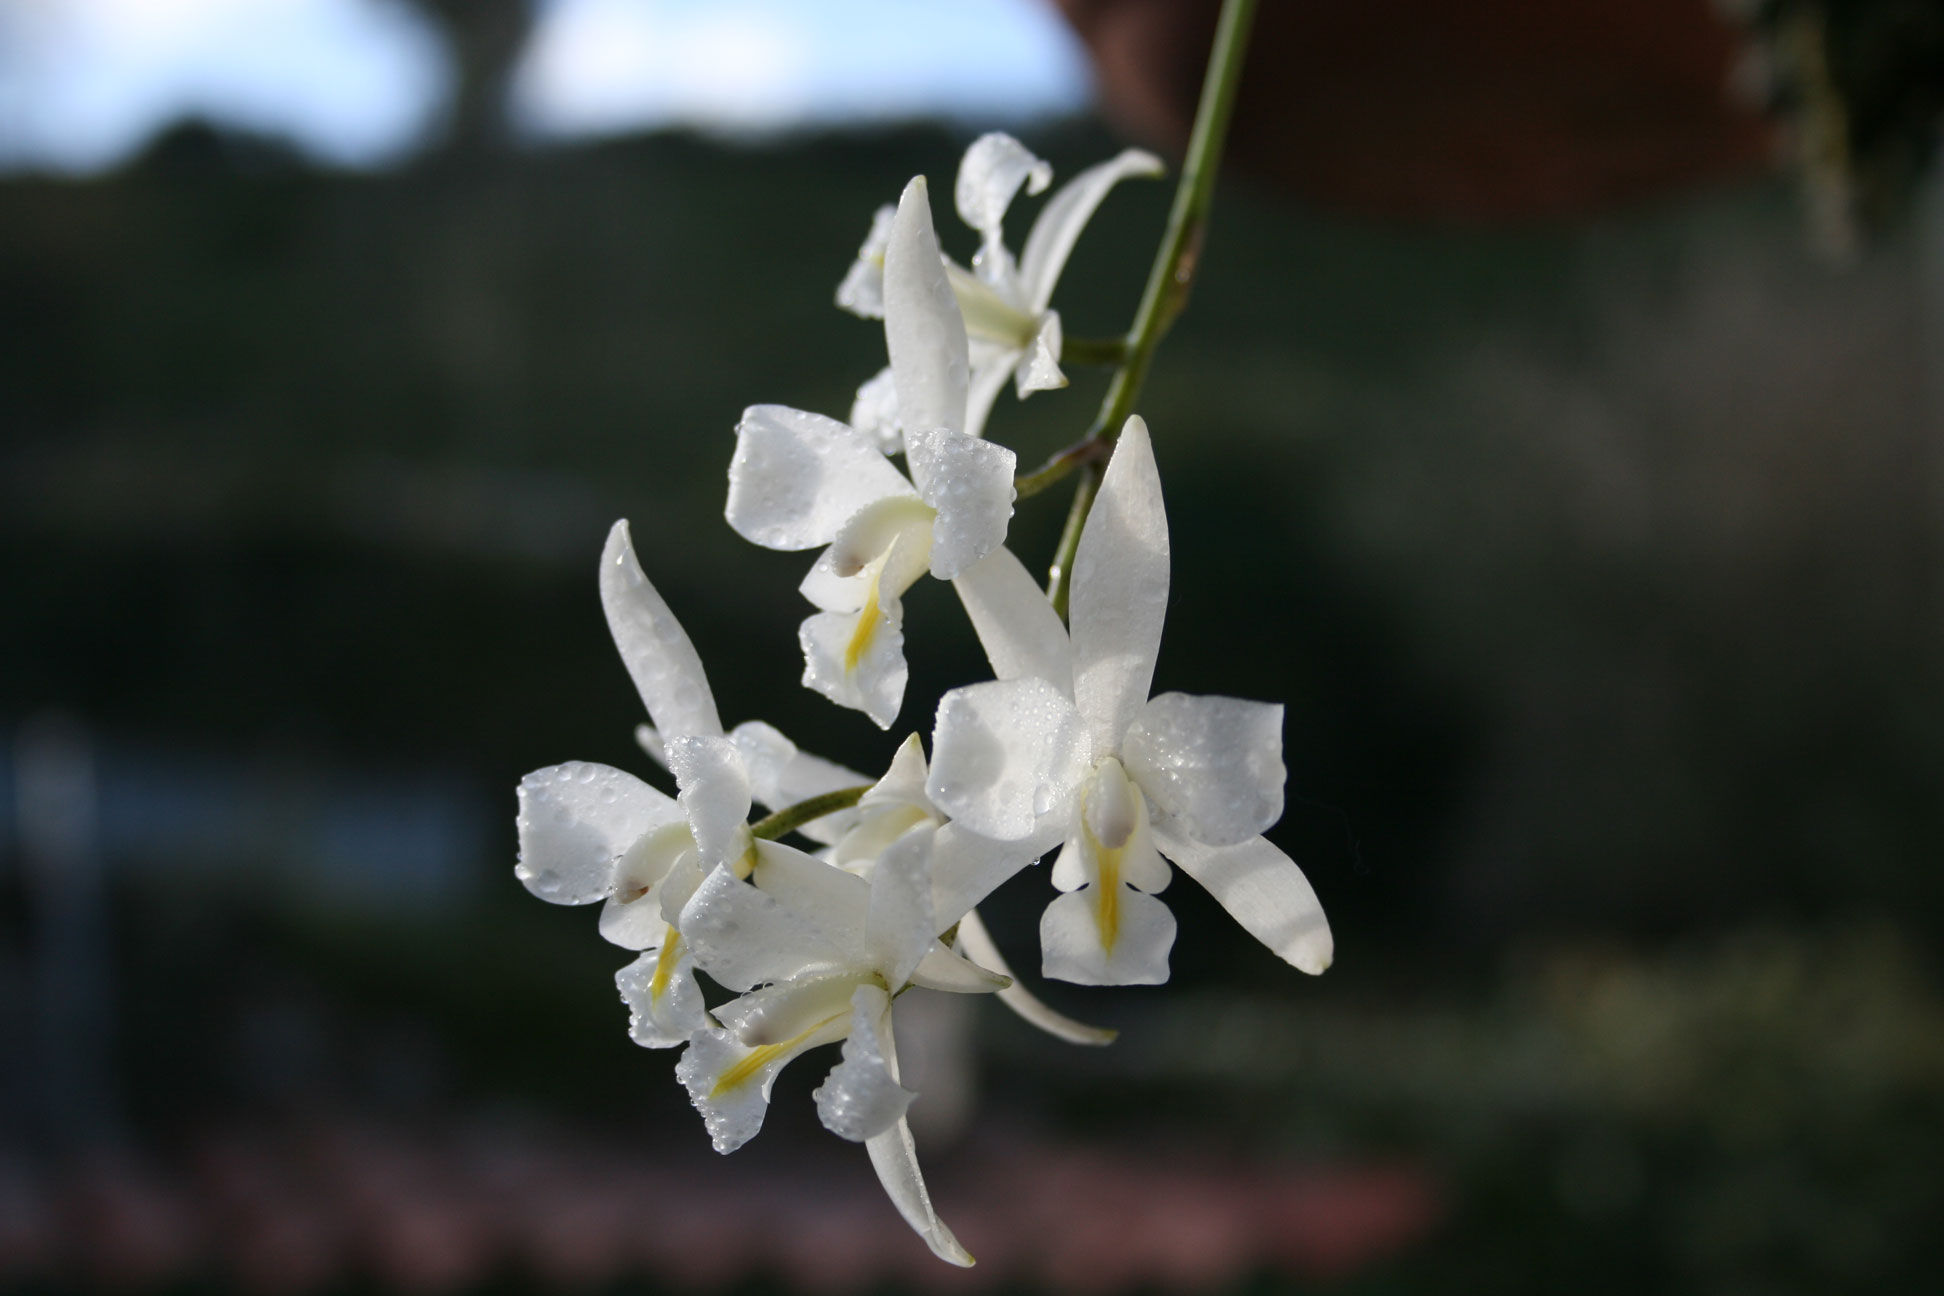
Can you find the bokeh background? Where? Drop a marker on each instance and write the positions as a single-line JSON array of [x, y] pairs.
[[1557, 428]]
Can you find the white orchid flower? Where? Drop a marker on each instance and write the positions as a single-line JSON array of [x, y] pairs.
[[817, 955], [1013, 331], [591, 832], [800, 480], [1067, 746]]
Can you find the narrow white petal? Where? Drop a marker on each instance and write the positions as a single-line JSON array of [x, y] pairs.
[[860, 1098], [1213, 764], [649, 739], [904, 780], [966, 868], [895, 1158], [823, 896], [874, 412], [862, 291], [946, 969], [664, 1002], [923, 330], [899, 929], [714, 792], [989, 176], [1066, 213], [575, 821], [796, 477], [744, 938], [992, 366], [978, 944], [1264, 890], [654, 647], [1129, 946], [1039, 367], [857, 665], [1119, 596], [1007, 757], [780, 774], [970, 483], [1015, 622]]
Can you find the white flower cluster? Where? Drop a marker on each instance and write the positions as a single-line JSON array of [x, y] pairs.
[[1063, 747]]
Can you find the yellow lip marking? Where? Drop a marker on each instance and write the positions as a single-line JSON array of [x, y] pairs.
[[761, 1056], [671, 953], [1107, 895], [867, 623]]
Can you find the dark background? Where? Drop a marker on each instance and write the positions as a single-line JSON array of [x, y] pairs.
[[1596, 560]]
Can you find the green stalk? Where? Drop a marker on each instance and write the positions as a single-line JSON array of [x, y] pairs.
[[1168, 282], [792, 817]]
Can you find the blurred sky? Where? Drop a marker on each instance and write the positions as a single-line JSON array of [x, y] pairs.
[[85, 83]]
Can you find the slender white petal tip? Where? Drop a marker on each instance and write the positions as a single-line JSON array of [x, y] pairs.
[[654, 647], [923, 329], [1264, 890], [1119, 595]]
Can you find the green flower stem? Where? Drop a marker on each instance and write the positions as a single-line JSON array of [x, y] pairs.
[[1056, 468], [792, 817], [1169, 280], [1093, 351]]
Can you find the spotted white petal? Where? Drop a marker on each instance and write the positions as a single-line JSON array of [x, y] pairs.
[[1007, 758], [989, 176], [729, 1071], [797, 477], [664, 1002], [970, 483], [1264, 890], [978, 945], [923, 330], [575, 821], [781, 774], [855, 663], [1039, 366], [744, 938], [874, 412], [1065, 214], [835, 903], [654, 647], [966, 868], [1212, 764], [1015, 622], [1111, 935], [714, 792], [860, 1098], [1119, 595], [862, 291]]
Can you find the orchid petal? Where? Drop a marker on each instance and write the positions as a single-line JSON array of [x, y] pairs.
[[780, 774], [992, 365], [729, 1074], [860, 1098], [899, 929], [1007, 757], [1074, 938], [1119, 595], [664, 1002], [923, 330], [649, 739], [1015, 622], [873, 682], [797, 477], [1029, 1007], [1264, 890], [970, 483], [834, 902], [1213, 764], [894, 1156], [743, 937], [1039, 366], [654, 647], [1066, 213], [575, 821], [944, 968], [862, 291], [966, 868], [632, 917], [989, 176], [874, 412], [714, 792]]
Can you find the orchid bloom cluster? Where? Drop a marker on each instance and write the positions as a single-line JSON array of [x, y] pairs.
[[1063, 748]]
